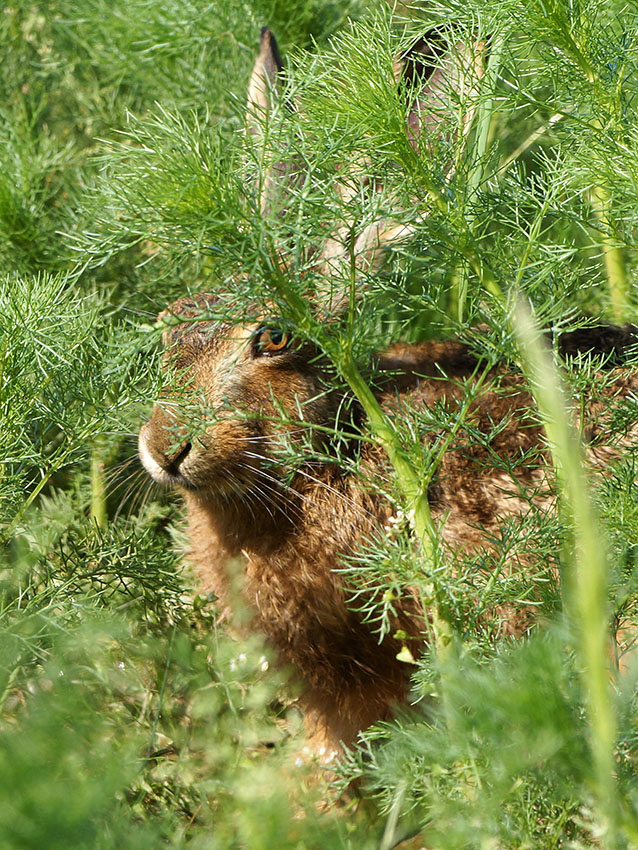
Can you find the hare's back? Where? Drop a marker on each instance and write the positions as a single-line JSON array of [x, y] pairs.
[[482, 430]]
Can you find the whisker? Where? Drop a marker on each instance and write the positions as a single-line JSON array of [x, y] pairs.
[[274, 488], [117, 468], [151, 489], [143, 496], [346, 499], [137, 479], [257, 437], [114, 484], [300, 471]]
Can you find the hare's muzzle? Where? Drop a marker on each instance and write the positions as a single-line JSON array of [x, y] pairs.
[[161, 458]]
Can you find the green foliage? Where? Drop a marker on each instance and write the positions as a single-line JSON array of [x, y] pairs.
[[66, 380], [129, 716]]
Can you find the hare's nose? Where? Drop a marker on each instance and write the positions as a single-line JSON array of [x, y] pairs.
[[173, 461]]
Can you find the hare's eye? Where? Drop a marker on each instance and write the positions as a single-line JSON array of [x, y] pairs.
[[269, 341]]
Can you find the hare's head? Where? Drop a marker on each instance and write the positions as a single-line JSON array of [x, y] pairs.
[[248, 388], [239, 395]]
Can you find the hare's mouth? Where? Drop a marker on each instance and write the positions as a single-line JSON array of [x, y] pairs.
[[189, 469], [213, 482]]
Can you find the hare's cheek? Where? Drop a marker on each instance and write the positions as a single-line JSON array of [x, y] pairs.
[[285, 394], [221, 444]]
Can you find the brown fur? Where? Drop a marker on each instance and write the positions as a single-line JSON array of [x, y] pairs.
[[291, 526], [291, 530]]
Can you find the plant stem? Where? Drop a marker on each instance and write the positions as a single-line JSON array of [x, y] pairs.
[[484, 113], [617, 278], [527, 143], [586, 600], [98, 484], [413, 488], [33, 495]]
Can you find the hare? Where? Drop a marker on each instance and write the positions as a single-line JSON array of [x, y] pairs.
[[291, 528]]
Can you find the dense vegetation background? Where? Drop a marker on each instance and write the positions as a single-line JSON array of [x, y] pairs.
[[128, 718]]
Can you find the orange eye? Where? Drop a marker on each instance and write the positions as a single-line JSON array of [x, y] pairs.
[[269, 341]]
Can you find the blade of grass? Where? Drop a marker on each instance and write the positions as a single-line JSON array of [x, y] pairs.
[[586, 586]]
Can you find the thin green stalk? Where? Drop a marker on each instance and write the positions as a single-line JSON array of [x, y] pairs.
[[611, 98], [33, 495], [98, 484], [458, 290], [484, 273], [586, 600], [160, 697], [11, 679], [484, 114], [615, 267], [413, 488], [527, 143], [389, 838]]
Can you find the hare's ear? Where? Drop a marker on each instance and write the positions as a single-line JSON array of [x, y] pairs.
[[442, 80], [265, 82], [279, 171]]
